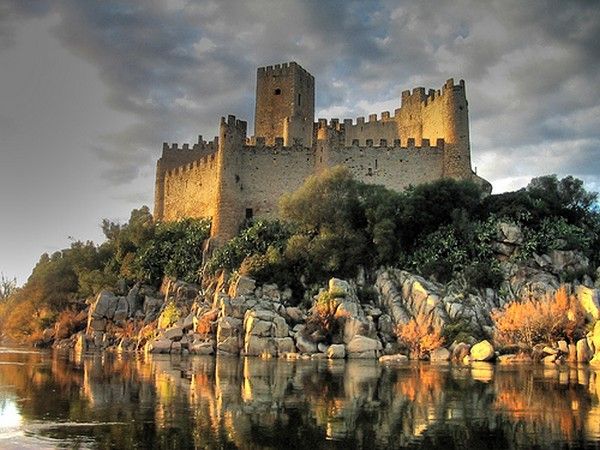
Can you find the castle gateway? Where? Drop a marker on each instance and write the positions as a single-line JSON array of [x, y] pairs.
[[235, 177]]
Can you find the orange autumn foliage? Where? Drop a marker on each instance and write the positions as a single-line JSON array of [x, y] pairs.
[[420, 336], [531, 322]]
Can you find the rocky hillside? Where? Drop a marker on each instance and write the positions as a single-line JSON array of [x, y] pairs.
[[238, 317]]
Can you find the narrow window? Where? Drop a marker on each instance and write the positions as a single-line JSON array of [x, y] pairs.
[[277, 91], [249, 213], [300, 102], [375, 164]]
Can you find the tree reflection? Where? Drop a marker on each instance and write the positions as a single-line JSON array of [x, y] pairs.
[[175, 402]]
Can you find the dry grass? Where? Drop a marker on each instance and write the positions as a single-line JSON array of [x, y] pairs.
[[532, 322], [420, 336]]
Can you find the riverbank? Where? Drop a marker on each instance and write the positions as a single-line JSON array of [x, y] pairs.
[[361, 318]]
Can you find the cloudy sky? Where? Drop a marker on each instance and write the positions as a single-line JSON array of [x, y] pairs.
[[89, 90]]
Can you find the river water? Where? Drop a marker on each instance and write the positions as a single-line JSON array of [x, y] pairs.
[[111, 401]]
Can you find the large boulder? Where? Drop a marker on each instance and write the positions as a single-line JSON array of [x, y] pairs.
[[482, 351], [305, 345], [229, 335], [159, 346], [439, 355], [589, 299], [104, 305], [122, 310], [363, 347], [568, 261], [243, 286], [336, 351]]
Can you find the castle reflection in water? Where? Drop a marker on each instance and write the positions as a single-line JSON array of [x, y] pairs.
[[203, 402]]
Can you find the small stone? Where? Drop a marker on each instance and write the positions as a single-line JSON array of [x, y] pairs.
[[439, 354], [550, 351], [398, 358]]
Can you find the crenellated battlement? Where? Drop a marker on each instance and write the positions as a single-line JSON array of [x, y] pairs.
[[420, 95], [395, 145], [236, 177], [283, 69]]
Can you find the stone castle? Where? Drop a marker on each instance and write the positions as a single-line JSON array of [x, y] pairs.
[[236, 177]]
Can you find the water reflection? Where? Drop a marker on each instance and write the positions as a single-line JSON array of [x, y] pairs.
[[170, 402]]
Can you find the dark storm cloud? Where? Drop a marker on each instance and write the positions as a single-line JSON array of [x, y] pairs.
[[531, 67]]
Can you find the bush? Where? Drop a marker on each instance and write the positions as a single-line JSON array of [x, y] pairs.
[[254, 240], [420, 336], [175, 250], [324, 321], [545, 321], [169, 315], [482, 275]]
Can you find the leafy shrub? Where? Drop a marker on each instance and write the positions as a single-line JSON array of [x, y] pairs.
[[532, 322], [420, 336], [169, 315], [174, 250], [482, 275], [254, 240]]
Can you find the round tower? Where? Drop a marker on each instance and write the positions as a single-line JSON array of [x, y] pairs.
[[229, 214], [457, 147]]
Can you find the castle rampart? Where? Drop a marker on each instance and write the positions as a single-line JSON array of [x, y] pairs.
[[236, 177]]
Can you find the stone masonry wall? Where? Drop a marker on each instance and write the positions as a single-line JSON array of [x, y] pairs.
[[190, 190], [269, 172]]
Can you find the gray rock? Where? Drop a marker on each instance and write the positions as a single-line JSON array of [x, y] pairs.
[[271, 292], [122, 310], [133, 300], [439, 354], [159, 346], [229, 335], [510, 233], [243, 286], [340, 288], [294, 314], [104, 305], [281, 327], [336, 351], [174, 334], [284, 345], [361, 344], [259, 346], [304, 345]]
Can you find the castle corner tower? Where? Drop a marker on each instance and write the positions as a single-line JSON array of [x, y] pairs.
[[285, 104]]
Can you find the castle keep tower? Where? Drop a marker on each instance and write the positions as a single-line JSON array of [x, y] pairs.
[[234, 177], [285, 104]]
